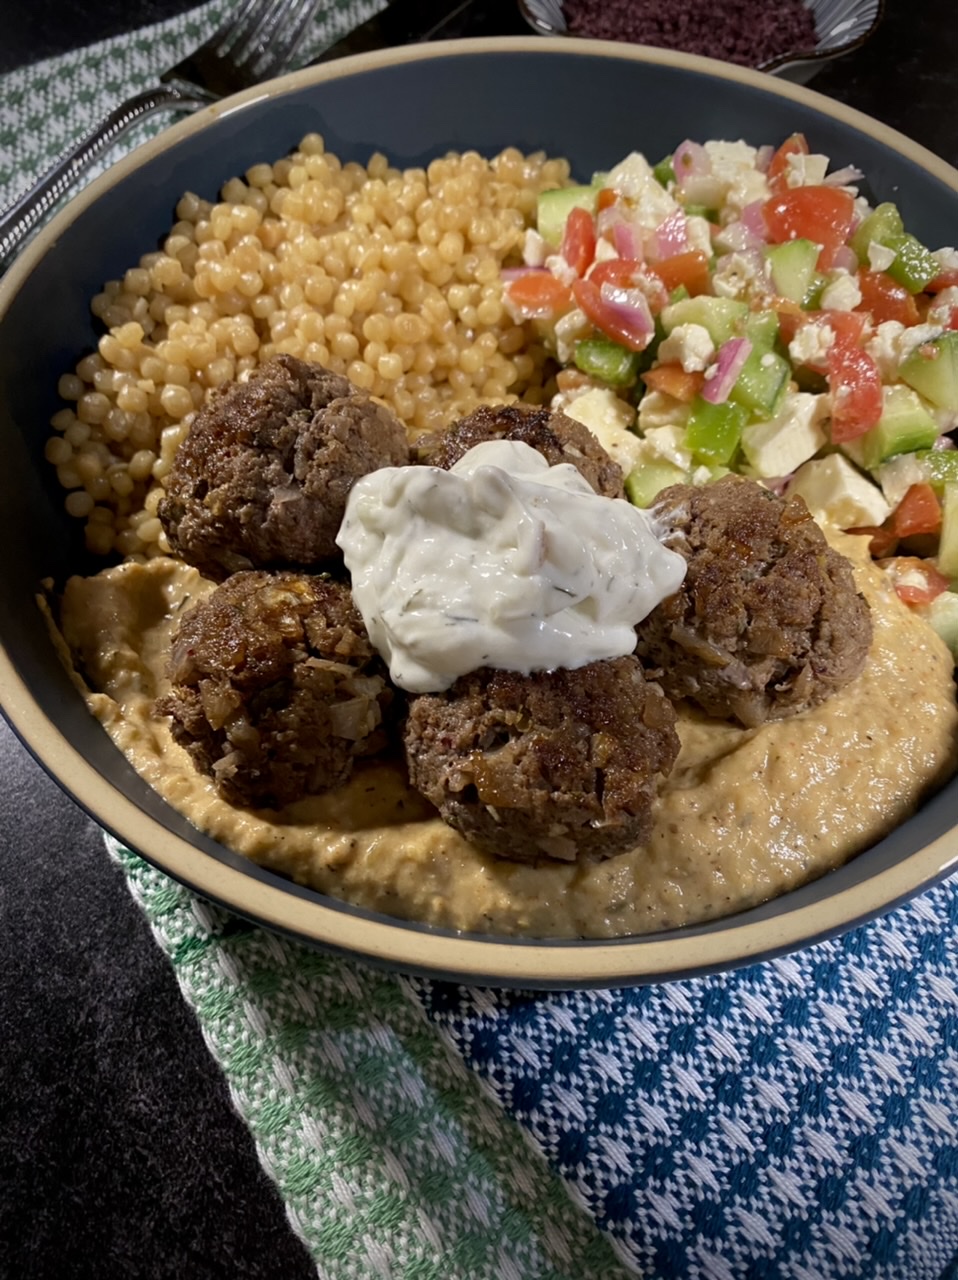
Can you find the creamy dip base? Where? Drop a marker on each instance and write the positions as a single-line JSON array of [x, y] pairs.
[[746, 814]]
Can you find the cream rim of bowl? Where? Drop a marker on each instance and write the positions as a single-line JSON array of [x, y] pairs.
[[396, 943]]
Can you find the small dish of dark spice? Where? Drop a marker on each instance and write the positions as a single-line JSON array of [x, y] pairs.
[[789, 37]]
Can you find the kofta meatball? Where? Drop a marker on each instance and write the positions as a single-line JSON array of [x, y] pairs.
[[560, 764], [556, 437], [263, 476], [768, 621], [276, 689]]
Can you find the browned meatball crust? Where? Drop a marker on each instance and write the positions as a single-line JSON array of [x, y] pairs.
[[768, 621], [276, 688], [556, 437], [560, 764], [263, 476]]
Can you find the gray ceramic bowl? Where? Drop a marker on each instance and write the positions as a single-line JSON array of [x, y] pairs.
[[840, 27], [592, 103]]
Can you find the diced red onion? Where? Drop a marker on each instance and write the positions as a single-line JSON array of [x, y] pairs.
[[631, 305], [735, 237], [845, 259], [843, 177], [752, 217], [672, 236], [720, 379], [627, 241], [944, 442], [515, 273], [763, 158], [690, 160]]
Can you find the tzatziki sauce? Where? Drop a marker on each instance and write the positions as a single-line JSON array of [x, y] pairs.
[[502, 561]]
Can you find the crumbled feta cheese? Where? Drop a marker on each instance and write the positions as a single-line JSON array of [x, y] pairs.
[[898, 474], [841, 293], [669, 443], [605, 251], [659, 410], [689, 344], [633, 178], [882, 346], [534, 249], [880, 257], [609, 419], [699, 233], [811, 344], [779, 447], [805, 170], [947, 258], [560, 268], [570, 329], [836, 491], [915, 336], [733, 166], [738, 275], [940, 310]]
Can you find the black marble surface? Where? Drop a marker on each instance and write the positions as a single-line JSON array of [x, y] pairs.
[[120, 1154]]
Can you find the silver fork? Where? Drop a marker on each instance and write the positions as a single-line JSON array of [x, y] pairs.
[[258, 42]]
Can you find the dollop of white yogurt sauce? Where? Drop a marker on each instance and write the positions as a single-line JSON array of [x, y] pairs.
[[502, 561]]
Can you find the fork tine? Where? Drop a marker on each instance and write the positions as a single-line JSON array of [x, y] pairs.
[[287, 37], [237, 28]]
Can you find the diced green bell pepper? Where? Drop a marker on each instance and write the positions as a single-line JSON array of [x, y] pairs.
[[608, 362], [940, 466], [713, 431], [664, 172], [914, 265]]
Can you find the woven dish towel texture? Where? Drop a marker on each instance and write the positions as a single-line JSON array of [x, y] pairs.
[[797, 1120]]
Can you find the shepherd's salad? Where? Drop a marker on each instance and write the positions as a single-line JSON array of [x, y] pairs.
[[741, 308]]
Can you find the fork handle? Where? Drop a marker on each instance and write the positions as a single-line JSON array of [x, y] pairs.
[[20, 218]]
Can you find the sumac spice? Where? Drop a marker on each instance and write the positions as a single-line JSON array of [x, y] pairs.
[[749, 32]]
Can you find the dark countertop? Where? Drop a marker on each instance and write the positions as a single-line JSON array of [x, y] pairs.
[[120, 1154]]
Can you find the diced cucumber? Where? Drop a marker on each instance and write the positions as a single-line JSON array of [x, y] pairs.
[[940, 467], [722, 317], [914, 265], [664, 172], [761, 329], [813, 294], [713, 431], [948, 542], [942, 616], [553, 209], [606, 360], [760, 387], [882, 223], [932, 370], [905, 425], [646, 481], [793, 267]]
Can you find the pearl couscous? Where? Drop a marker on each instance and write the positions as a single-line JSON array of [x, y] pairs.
[[389, 277]]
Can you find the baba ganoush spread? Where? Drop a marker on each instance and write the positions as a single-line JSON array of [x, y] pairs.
[[745, 815]]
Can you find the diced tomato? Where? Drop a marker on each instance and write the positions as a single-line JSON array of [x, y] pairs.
[[629, 273], [624, 317], [855, 384], [916, 581], [882, 542], [847, 326], [884, 299], [539, 295], [689, 269], [918, 512], [673, 380], [606, 199], [778, 166], [945, 280], [623, 271], [951, 320], [578, 240], [822, 214]]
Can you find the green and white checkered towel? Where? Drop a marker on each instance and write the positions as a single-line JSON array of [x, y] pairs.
[[392, 1159]]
